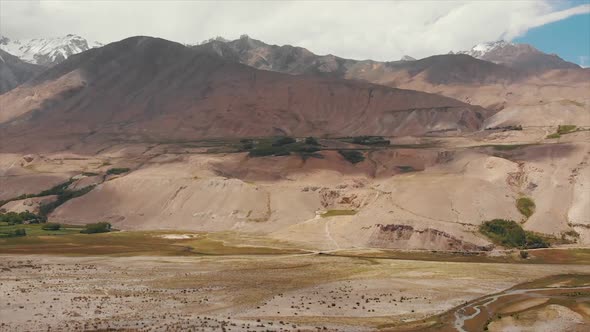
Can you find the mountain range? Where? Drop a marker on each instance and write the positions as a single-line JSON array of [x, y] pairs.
[[195, 127]]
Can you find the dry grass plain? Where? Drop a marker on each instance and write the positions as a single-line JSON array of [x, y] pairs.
[[170, 281]]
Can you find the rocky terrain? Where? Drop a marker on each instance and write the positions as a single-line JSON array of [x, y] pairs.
[[14, 72], [256, 187]]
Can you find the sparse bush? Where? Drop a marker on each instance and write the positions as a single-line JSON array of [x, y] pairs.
[[14, 233], [334, 213], [283, 141], [13, 218], [510, 234], [565, 129], [535, 241], [524, 254], [526, 206], [65, 196], [562, 130], [353, 156], [311, 141], [100, 227], [117, 171], [370, 140], [51, 226], [405, 169], [246, 144], [506, 232]]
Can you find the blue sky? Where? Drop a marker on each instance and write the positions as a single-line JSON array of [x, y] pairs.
[[568, 38]]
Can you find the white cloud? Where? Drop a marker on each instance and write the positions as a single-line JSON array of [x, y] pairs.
[[380, 30]]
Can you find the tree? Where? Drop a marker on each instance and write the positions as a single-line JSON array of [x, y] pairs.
[[51, 226], [100, 227]]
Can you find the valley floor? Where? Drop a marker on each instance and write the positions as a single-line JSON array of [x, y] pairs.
[[277, 291]]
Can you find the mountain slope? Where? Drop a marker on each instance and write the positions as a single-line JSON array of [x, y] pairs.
[[46, 51], [148, 87], [524, 79], [14, 72], [519, 56]]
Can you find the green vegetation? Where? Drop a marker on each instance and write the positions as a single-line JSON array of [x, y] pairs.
[[370, 140], [510, 234], [311, 141], [12, 218], [562, 130], [90, 174], [13, 233], [61, 191], [405, 169], [281, 146], [100, 227], [334, 213], [526, 206], [64, 196], [70, 242], [51, 226], [508, 147], [52, 191], [565, 129], [34, 230], [353, 156], [117, 171], [285, 140]]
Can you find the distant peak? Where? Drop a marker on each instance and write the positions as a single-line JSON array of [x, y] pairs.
[[407, 58]]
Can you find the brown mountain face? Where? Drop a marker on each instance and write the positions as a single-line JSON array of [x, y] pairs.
[[509, 63], [14, 71], [145, 87], [507, 75]]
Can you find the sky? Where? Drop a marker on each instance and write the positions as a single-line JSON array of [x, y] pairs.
[[379, 30]]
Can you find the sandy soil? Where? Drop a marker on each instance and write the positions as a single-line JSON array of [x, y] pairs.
[[301, 291], [453, 188]]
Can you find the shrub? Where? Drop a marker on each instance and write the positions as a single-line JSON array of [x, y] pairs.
[[510, 234], [506, 232], [283, 141], [565, 129], [311, 141], [246, 144], [535, 241], [554, 135], [334, 213], [51, 226], [524, 254], [18, 218], [262, 151], [14, 233], [63, 197], [100, 227], [526, 206], [353, 156], [370, 140], [116, 171]]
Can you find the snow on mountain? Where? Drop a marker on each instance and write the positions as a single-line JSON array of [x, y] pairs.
[[480, 50], [407, 58], [46, 51]]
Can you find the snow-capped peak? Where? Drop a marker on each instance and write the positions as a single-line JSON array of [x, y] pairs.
[[46, 51], [407, 58], [480, 50]]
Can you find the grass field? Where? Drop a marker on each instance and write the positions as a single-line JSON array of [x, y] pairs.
[[35, 229], [69, 241]]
